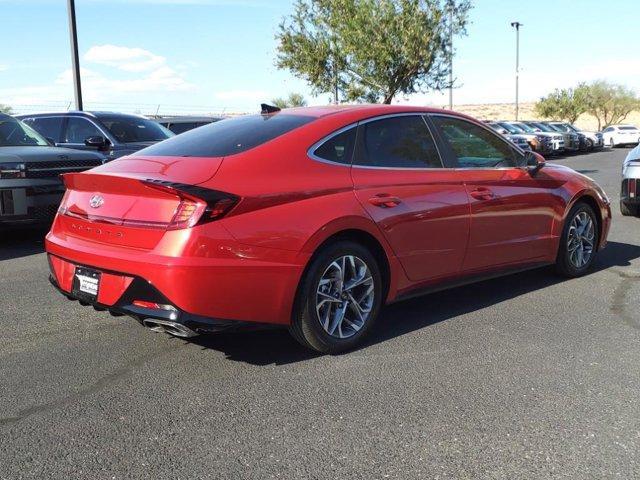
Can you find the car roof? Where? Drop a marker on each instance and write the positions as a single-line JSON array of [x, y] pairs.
[[78, 113]]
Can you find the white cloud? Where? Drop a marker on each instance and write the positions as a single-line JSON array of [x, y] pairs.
[[250, 95], [124, 58], [3, 67]]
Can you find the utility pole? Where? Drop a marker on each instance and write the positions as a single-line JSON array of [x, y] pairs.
[[517, 26], [450, 3], [75, 62]]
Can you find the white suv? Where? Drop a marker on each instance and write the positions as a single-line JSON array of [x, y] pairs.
[[615, 135]]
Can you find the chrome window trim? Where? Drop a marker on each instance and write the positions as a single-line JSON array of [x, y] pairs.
[[311, 150], [488, 129]]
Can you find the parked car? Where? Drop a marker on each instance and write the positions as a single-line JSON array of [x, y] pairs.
[[558, 138], [183, 124], [629, 194], [573, 138], [30, 186], [520, 140], [588, 140], [541, 143], [115, 134], [616, 135], [313, 218]]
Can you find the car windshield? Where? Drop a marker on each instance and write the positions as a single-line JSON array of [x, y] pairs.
[[132, 129], [559, 127], [511, 128], [14, 133], [524, 127], [573, 127], [543, 127]]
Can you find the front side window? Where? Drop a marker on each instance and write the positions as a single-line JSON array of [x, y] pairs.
[[397, 142], [79, 129], [338, 148], [474, 146]]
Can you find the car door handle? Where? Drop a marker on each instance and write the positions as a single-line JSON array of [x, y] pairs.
[[482, 193], [384, 200]]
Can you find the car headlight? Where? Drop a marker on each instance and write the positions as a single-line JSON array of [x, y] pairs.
[[12, 170]]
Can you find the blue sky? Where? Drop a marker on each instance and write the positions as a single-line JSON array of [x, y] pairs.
[[212, 55]]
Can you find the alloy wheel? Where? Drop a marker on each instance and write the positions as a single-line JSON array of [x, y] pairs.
[[581, 238], [345, 296]]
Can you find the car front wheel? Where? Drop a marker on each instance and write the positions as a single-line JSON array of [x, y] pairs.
[[579, 242], [338, 299]]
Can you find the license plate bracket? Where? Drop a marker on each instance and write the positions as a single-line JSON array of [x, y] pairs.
[[86, 284]]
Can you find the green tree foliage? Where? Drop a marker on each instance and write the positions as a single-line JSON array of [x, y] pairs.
[[565, 104], [371, 50], [293, 100], [6, 109], [610, 103]]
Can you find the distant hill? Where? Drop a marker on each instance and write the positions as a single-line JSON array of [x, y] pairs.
[[506, 111]]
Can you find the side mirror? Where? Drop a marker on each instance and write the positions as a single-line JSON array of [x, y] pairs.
[[533, 162], [97, 141]]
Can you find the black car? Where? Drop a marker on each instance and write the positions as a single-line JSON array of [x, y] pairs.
[[183, 124], [115, 134], [30, 168]]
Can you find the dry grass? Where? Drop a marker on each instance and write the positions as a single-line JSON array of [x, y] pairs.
[[506, 111]]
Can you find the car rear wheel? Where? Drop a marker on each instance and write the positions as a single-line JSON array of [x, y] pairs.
[[611, 143], [339, 298], [579, 241], [629, 210]]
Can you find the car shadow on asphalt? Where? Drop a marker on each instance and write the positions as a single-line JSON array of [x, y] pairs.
[[276, 346], [21, 243]]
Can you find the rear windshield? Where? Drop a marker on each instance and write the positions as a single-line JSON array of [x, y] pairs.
[[227, 137]]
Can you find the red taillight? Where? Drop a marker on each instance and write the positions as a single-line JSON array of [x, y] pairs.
[[197, 205]]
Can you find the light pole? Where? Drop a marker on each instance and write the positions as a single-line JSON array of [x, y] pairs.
[[450, 54], [517, 26], [75, 62]]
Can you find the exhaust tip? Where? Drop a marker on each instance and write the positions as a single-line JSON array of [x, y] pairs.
[[172, 328]]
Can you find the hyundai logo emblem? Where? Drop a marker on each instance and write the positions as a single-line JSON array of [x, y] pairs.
[[96, 201]]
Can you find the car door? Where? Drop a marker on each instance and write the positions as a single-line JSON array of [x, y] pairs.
[[420, 205], [512, 211]]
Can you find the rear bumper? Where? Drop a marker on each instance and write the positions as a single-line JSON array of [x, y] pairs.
[[210, 281], [139, 288]]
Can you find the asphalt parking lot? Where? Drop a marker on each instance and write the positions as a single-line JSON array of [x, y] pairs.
[[528, 376]]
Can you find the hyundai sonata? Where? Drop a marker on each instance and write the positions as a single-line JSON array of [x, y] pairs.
[[313, 218]]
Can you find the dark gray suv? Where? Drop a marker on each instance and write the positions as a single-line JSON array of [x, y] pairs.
[[115, 134], [30, 168]]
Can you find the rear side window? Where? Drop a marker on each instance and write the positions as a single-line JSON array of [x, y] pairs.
[[227, 137], [474, 146], [397, 142], [338, 148], [629, 127], [49, 127]]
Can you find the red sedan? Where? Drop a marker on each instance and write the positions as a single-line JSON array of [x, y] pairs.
[[313, 218]]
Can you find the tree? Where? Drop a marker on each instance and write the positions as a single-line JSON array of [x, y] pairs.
[[371, 50], [610, 103], [6, 109], [293, 100], [566, 104]]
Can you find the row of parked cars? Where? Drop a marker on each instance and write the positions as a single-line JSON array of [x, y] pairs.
[[36, 148], [549, 138]]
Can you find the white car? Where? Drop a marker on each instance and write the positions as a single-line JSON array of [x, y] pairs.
[[615, 135], [629, 200]]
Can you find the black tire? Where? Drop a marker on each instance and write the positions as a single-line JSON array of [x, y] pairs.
[[589, 145], [306, 326], [564, 264], [629, 210], [611, 144]]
